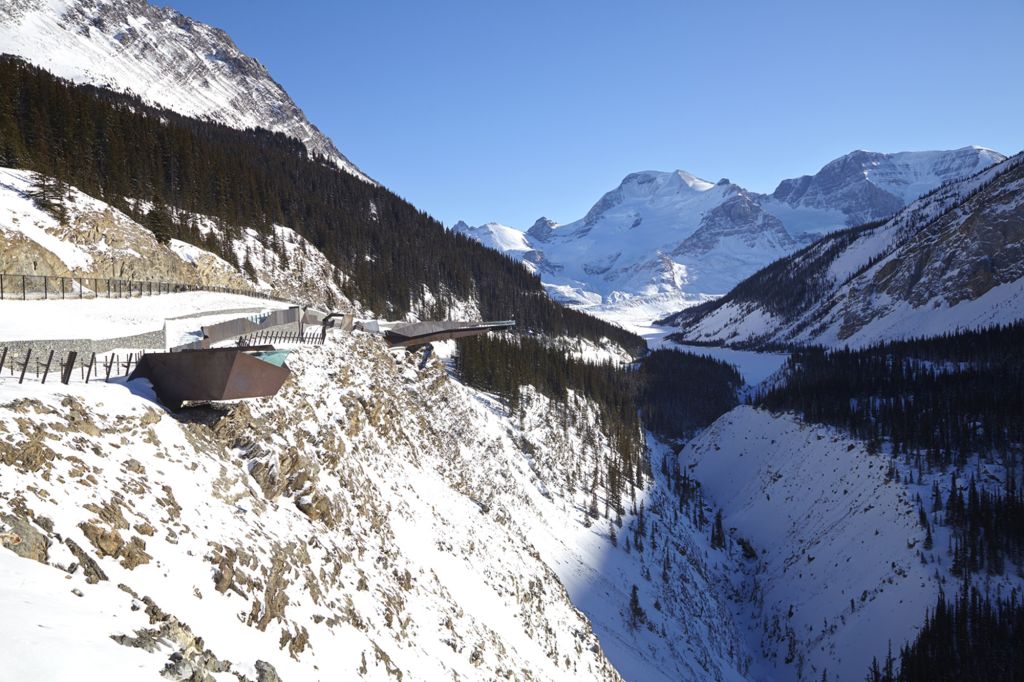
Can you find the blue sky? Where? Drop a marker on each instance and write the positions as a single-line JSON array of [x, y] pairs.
[[508, 111]]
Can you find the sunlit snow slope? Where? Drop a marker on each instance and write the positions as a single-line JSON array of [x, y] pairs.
[[162, 56]]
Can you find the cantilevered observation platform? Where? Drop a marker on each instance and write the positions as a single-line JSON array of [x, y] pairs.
[[417, 334]]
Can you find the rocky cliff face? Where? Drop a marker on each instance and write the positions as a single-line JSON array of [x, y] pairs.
[[739, 218], [163, 57], [375, 519]]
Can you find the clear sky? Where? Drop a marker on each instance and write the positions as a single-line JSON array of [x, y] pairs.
[[511, 110]]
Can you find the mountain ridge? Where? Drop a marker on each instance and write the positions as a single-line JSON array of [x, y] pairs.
[[163, 56]]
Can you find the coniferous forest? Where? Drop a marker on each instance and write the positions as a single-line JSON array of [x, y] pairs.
[[681, 392], [967, 639], [118, 149], [936, 400]]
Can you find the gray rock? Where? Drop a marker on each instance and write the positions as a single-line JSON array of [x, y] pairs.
[[22, 538], [266, 672]]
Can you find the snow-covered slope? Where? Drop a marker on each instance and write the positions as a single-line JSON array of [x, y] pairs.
[[663, 241], [374, 520], [162, 56], [496, 236], [97, 240], [841, 570], [952, 259]]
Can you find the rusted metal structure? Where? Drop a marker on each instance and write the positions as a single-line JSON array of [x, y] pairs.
[[213, 374], [418, 334]]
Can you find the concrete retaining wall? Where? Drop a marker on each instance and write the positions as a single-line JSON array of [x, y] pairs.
[[145, 341]]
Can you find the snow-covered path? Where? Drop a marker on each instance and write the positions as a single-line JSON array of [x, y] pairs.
[[103, 318]]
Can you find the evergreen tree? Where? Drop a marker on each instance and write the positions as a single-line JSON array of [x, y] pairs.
[[718, 532], [637, 615]]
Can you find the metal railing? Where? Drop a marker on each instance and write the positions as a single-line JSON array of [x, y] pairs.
[[47, 287], [271, 337]]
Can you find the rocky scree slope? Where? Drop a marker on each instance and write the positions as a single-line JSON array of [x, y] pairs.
[[162, 56], [952, 259], [375, 519]]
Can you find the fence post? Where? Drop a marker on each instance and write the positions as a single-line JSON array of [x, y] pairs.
[[65, 376], [23, 287], [1, 287], [28, 356], [62, 288], [46, 372], [110, 365], [88, 372], [108, 288], [46, 293], [3, 359]]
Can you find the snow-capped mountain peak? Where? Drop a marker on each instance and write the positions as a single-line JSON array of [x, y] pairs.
[[677, 238], [863, 186], [949, 260], [495, 235], [162, 56], [541, 230]]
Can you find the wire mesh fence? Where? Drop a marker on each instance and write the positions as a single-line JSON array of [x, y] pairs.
[[46, 287]]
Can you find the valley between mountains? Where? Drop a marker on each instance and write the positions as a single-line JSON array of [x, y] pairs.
[[731, 436]]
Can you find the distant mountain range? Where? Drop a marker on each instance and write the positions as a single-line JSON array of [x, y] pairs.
[[661, 241], [162, 56], [953, 259], [653, 245]]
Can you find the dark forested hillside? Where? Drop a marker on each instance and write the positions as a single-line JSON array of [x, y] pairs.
[[116, 148], [682, 392], [939, 399], [968, 639], [936, 404], [503, 365]]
